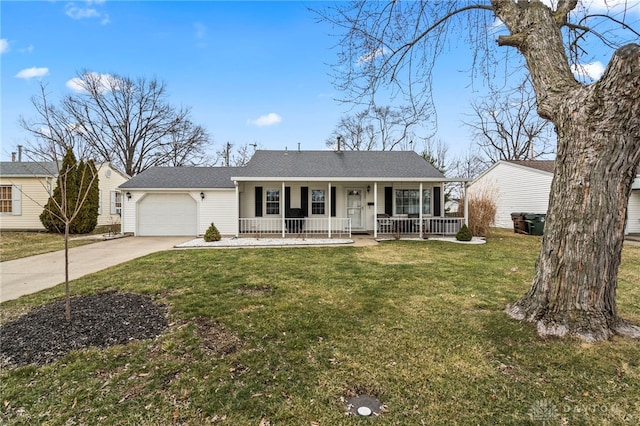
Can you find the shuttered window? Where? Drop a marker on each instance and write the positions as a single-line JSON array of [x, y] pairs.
[[6, 199]]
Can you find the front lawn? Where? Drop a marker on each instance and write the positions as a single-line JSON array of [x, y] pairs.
[[418, 325], [16, 245]]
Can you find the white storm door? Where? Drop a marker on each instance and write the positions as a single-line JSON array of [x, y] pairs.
[[354, 207]]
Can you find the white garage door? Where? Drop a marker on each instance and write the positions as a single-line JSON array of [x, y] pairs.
[[167, 214]]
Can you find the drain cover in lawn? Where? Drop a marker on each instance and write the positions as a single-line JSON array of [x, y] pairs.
[[364, 405]]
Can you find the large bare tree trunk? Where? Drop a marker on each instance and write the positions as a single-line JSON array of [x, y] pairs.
[[598, 126], [574, 289]]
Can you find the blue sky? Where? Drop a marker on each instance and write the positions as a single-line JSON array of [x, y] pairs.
[[251, 72]]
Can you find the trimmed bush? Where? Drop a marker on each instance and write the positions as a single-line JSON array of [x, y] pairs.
[[464, 234], [212, 234]]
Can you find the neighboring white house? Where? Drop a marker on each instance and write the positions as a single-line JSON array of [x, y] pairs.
[[292, 192], [524, 186], [25, 188]]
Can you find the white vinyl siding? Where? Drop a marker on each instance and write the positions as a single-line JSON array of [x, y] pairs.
[[515, 189], [633, 213], [219, 207]]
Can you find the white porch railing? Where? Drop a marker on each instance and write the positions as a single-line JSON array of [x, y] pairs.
[[398, 226], [296, 227]]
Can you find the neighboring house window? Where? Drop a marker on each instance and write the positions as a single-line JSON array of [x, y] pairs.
[[116, 202], [11, 199], [317, 201], [6, 199], [273, 201], [408, 201]]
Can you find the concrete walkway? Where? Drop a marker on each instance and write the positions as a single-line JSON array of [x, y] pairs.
[[32, 274]]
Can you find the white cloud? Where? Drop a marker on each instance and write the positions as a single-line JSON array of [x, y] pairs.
[[592, 71], [28, 73], [104, 81], [4, 45], [368, 57], [266, 120], [28, 49], [86, 12]]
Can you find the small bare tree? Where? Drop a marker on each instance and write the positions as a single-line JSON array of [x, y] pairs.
[[506, 126], [55, 141]]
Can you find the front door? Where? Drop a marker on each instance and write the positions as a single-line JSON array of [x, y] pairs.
[[354, 207]]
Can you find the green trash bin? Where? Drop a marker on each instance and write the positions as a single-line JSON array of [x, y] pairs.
[[535, 223]]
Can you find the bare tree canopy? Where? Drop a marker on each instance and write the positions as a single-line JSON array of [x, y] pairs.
[[506, 126], [121, 120], [235, 156], [392, 46], [376, 128]]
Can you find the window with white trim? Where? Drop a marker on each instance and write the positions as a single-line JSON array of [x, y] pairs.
[[6, 199], [317, 201], [273, 201], [116, 202], [408, 201]]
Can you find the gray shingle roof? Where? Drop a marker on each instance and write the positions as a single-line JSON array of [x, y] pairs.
[[291, 164], [344, 164], [28, 168], [183, 177]]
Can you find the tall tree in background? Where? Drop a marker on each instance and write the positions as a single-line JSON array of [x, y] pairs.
[[395, 44], [506, 126], [126, 122], [377, 128], [235, 156]]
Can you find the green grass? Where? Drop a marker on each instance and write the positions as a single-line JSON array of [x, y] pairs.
[[420, 325], [16, 245]]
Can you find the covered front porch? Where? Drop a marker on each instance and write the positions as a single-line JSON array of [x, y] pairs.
[[339, 209]]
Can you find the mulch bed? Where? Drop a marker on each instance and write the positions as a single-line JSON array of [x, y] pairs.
[[99, 320]]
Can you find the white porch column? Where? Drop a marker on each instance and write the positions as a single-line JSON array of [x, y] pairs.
[[421, 210], [375, 209], [466, 203], [329, 212], [442, 206], [282, 212], [237, 208]]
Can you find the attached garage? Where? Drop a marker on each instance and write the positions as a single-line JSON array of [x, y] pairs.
[[167, 214], [180, 201]]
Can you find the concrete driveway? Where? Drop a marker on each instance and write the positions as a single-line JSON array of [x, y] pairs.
[[32, 274]]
